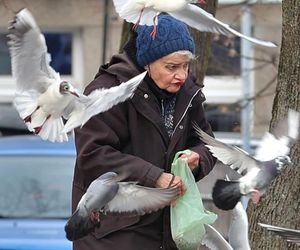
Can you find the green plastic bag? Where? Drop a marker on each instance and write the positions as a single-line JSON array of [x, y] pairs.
[[188, 216]]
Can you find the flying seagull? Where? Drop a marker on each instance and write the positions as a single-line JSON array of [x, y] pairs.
[[237, 234], [42, 98], [290, 235], [258, 171], [145, 12], [107, 195]]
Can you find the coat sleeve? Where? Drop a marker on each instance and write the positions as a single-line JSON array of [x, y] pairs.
[[207, 161], [101, 144]]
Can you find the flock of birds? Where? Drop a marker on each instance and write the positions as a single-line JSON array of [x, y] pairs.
[[52, 107]]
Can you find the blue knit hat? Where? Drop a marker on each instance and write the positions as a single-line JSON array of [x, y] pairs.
[[172, 35]]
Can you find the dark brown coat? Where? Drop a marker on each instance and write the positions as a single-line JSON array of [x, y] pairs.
[[131, 138]]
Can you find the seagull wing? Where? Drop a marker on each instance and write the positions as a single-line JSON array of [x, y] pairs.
[[290, 235], [201, 20], [233, 156], [238, 230], [214, 240], [132, 11], [101, 100], [29, 57], [135, 199]]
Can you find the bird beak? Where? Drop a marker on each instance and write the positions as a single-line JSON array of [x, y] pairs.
[[74, 93]]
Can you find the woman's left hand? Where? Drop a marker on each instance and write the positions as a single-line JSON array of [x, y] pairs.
[[192, 159]]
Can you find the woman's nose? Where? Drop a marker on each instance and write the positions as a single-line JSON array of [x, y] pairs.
[[181, 74]]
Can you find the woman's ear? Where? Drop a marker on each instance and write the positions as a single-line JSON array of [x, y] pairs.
[[147, 67]]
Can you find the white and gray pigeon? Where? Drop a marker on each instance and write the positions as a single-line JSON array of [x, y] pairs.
[[42, 98], [237, 234], [145, 12], [257, 172], [290, 235], [108, 195]]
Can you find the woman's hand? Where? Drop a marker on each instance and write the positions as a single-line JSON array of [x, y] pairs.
[[169, 180], [192, 159]]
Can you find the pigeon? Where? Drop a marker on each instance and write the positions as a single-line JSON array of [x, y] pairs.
[[237, 234], [257, 171], [290, 235], [43, 100], [108, 195], [145, 12]]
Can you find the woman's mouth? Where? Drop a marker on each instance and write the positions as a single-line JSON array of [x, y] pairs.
[[179, 84]]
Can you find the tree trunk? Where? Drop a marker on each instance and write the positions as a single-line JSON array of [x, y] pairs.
[[125, 34], [203, 45], [280, 205]]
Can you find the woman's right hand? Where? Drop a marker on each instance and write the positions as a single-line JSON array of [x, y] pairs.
[[167, 180]]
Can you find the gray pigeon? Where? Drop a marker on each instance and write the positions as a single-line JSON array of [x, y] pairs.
[[258, 171], [290, 235], [42, 98], [106, 195]]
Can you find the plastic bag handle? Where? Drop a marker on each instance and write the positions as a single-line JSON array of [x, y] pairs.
[[187, 152]]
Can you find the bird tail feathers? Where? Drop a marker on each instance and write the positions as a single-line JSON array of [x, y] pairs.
[[78, 226], [52, 130], [226, 194]]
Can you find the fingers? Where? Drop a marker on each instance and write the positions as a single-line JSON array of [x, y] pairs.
[[192, 159]]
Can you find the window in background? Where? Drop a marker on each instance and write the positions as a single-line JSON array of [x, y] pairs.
[[224, 117], [59, 47], [5, 68], [225, 56]]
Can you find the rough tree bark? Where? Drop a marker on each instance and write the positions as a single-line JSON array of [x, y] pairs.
[[203, 45], [280, 205]]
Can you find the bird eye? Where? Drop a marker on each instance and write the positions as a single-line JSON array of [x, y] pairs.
[[66, 87]]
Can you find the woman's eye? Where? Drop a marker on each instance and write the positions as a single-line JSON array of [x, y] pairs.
[[171, 67]]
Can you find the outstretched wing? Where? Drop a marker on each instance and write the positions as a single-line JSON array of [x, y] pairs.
[[214, 240], [29, 57], [135, 199], [279, 143], [290, 235], [233, 156], [101, 100], [201, 20]]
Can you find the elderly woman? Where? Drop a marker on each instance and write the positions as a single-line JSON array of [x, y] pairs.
[[141, 136]]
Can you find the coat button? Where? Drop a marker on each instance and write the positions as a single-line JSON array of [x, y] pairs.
[[146, 96], [180, 127]]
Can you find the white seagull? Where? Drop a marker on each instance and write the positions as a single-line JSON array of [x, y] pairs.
[[145, 12], [237, 234], [42, 98], [257, 172], [107, 195], [290, 235]]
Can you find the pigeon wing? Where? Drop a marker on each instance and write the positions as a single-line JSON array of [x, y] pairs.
[[290, 235], [201, 20], [101, 100], [139, 200], [29, 57], [232, 156], [214, 240], [284, 135]]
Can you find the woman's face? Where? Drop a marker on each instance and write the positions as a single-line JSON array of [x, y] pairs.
[[169, 72]]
